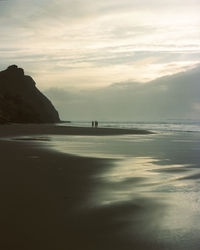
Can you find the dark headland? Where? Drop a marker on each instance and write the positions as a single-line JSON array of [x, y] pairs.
[[21, 101]]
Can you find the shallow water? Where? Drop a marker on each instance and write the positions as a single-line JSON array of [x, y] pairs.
[[161, 125], [149, 197]]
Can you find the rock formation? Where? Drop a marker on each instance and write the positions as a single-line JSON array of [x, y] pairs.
[[21, 101]]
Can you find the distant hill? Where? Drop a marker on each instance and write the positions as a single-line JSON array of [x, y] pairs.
[[21, 101]]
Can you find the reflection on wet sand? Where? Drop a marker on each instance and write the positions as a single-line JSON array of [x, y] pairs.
[[147, 197], [131, 177], [156, 205]]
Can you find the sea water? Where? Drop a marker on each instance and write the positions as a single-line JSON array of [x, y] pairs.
[[161, 125]]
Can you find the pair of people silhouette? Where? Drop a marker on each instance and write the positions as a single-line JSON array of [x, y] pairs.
[[95, 124]]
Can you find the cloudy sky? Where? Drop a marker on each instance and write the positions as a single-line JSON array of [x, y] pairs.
[[138, 57], [170, 97], [87, 44]]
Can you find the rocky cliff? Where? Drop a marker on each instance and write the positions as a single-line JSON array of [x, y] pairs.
[[21, 101]]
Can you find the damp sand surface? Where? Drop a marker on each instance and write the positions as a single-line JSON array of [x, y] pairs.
[[113, 192]]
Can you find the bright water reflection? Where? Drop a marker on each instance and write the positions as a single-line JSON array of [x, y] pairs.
[[151, 189], [168, 203], [100, 146], [156, 178]]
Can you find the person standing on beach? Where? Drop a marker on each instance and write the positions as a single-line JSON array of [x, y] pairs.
[[96, 124], [93, 124]]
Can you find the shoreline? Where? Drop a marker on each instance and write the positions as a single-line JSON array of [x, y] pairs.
[[44, 192], [54, 200], [52, 129]]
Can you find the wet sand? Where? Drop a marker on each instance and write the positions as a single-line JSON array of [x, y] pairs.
[[51, 129], [69, 193]]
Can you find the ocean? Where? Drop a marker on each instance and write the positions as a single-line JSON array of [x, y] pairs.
[[165, 125]]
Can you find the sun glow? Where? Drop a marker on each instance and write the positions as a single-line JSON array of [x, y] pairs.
[[99, 44]]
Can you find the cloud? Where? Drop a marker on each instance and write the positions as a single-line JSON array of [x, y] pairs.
[[88, 43], [175, 96]]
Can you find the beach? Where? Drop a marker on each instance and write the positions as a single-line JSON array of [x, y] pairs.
[[93, 189], [51, 129]]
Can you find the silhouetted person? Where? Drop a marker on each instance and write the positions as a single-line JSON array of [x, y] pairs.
[[96, 124], [93, 124]]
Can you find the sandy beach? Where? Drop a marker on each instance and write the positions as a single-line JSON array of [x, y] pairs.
[[126, 190], [51, 129]]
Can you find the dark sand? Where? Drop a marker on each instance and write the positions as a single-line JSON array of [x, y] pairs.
[[53, 201], [50, 129], [42, 192]]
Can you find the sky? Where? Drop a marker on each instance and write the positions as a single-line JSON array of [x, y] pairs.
[[131, 55], [92, 44], [169, 97]]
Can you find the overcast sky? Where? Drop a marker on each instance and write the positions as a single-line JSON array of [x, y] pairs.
[[170, 97], [87, 44]]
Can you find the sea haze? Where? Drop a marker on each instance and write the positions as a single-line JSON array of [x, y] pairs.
[[171, 97]]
